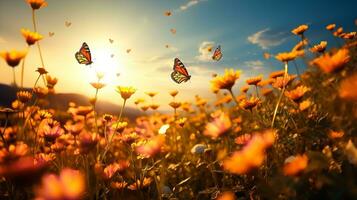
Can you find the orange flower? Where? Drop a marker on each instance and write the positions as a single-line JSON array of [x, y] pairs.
[[51, 81], [244, 89], [336, 134], [289, 56], [40, 92], [319, 48], [13, 57], [226, 81], [300, 46], [154, 106], [221, 124], [118, 185], [266, 55], [249, 104], [338, 32], [297, 93], [24, 96], [138, 185], [226, 196], [37, 4], [41, 71], [70, 184], [349, 35], [152, 146], [254, 80], [295, 164], [330, 27], [330, 63], [173, 93], [243, 139], [50, 129], [305, 105], [266, 91], [31, 37], [252, 155], [125, 92], [151, 94], [280, 82], [348, 87], [174, 104], [144, 108], [98, 85], [277, 74], [300, 29]]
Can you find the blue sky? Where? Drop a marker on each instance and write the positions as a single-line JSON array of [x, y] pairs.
[[245, 29]]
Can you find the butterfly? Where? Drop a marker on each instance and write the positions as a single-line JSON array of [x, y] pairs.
[[128, 50], [117, 74], [51, 34], [112, 55], [173, 31], [83, 56], [217, 55], [180, 73], [67, 23], [167, 13], [167, 46], [111, 41]]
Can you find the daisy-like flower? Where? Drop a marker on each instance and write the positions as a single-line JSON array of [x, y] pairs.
[[300, 29], [221, 124], [254, 80], [295, 164], [349, 35], [252, 155], [175, 105], [330, 63], [282, 82], [40, 92], [50, 129], [51, 81], [297, 94], [118, 185], [24, 96], [244, 89], [249, 104], [151, 94], [37, 4], [266, 91], [97, 85], [305, 105], [41, 71], [151, 147], [338, 32], [319, 48], [70, 184], [144, 108], [125, 92], [119, 126], [139, 185], [330, 27], [154, 106], [139, 101], [289, 56], [31, 37], [13, 57], [174, 93], [300, 46], [276, 74], [226, 81], [347, 89]]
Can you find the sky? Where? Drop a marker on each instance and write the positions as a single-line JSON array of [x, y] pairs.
[[245, 29]]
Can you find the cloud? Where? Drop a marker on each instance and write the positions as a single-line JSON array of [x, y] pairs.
[[254, 64], [267, 38], [190, 4], [204, 54]]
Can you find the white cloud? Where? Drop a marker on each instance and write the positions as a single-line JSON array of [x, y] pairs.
[[254, 64], [204, 54], [189, 4], [266, 38]]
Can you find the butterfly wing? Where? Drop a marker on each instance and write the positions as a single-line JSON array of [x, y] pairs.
[[84, 56], [179, 78], [217, 55]]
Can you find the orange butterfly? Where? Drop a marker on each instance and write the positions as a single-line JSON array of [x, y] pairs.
[[217, 55], [84, 56]]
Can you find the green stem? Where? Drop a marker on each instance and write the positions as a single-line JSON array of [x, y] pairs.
[[38, 42], [22, 72], [281, 95]]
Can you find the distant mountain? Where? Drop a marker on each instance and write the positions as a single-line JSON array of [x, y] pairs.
[[60, 101]]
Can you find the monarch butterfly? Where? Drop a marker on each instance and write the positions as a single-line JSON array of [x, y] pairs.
[[180, 73], [217, 55], [83, 56]]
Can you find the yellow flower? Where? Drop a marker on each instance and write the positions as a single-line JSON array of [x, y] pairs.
[[254, 80], [249, 104], [297, 93], [154, 106], [13, 57], [300, 29], [319, 48], [295, 164], [151, 94], [125, 92], [174, 93], [174, 104], [139, 100], [329, 63], [51, 81], [305, 105], [31, 37], [289, 56], [98, 85], [37, 4], [40, 92], [330, 27], [24, 96], [144, 108], [226, 81]]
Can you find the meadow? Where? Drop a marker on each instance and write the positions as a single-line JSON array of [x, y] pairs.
[[280, 136]]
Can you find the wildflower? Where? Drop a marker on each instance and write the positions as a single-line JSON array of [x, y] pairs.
[[50, 129], [249, 104], [297, 93], [17, 105], [125, 92], [13, 57], [277, 74], [181, 122], [138, 185], [198, 149], [118, 185], [243, 139], [244, 89], [228, 195], [336, 134], [31, 37], [349, 35], [75, 129], [295, 164], [107, 117], [300, 46], [144, 108], [151, 146], [266, 91], [41, 71], [175, 105], [226, 81], [319, 48], [330, 27], [70, 184], [119, 126], [97, 85], [51, 81], [40, 92], [347, 88], [87, 141], [221, 124], [37, 4], [151, 94], [289, 56], [174, 93], [111, 169], [304, 105], [282, 82], [138, 101], [24, 96], [300, 29], [329, 63], [252, 155], [154, 106], [83, 110], [254, 80]]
